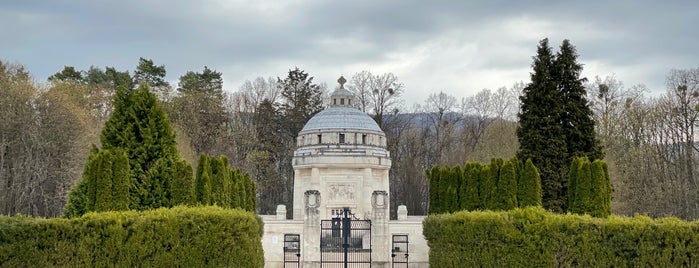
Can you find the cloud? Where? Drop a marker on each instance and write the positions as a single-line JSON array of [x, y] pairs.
[[458, 47]]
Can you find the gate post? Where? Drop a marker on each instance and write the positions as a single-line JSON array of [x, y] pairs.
[[311, 223], [380, 255]]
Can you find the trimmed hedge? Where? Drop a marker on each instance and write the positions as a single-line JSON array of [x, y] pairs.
[[532, 237], [176, 237]]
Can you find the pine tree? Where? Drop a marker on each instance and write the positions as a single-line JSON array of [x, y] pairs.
[[529, 186]]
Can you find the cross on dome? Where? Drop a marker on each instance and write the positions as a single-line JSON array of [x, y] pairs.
[[341, 97]]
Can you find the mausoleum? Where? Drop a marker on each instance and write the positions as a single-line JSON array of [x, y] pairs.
[[341, 204]]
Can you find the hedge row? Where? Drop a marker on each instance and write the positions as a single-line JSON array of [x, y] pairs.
[[499, 185], [532, 237], [176, 237]]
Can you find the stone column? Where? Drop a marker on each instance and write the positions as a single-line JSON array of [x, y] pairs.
[[310, 255], [380, 252]]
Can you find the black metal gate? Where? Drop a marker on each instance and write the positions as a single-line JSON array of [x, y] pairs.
[[399, 251], [345, 241], [292, 250]]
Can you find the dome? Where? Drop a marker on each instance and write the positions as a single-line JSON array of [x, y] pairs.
[[341, 118]]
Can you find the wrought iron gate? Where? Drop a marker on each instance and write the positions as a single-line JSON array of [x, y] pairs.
[[345, 241], [399, 251], [292, 250]]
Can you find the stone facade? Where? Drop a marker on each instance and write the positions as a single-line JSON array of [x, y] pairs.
[[341, 161]]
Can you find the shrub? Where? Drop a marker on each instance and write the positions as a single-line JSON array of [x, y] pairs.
[[177, 237], [533, 237]]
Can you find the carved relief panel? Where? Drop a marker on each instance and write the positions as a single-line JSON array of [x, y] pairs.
[[338, 192]]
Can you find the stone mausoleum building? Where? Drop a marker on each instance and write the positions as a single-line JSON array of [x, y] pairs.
[[341, 204]]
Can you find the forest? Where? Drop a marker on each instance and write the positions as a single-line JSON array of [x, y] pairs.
[[49, 125]]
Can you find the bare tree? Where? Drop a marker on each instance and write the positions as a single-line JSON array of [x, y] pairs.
[[42, 134], [361, 85]]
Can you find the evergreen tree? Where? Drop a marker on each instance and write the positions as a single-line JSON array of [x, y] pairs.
[[182, 184], [200, 110], [584, 191], [472, 173], [484, 186], [601, 190], [506, 197], [579, 130], [540, 133], [238, 188], [121, 177], [529, 186], [250, 191], [490, 184], [607, 190], [140, 127], [303, 100], [77, 201], [203, 180], [433, 179], [573, 181]]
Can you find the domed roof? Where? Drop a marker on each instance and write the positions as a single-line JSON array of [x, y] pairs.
[[342, 118]]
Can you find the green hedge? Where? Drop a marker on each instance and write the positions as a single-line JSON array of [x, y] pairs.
[[176, 237], [532, 237]]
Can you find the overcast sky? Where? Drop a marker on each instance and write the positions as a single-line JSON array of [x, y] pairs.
[[458, 47]]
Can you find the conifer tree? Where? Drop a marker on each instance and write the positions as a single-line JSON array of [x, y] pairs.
[[433, 176], [601, 190], [607, 190], [583, 188], [540, 133], [573, 180], [140, 127], [203, 181], [250, 191], [452, 189], [579, 130], [490, 184], [237, 187], [182, 184], [506, 197], [121, 178], [472, 173], [529, 186]]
